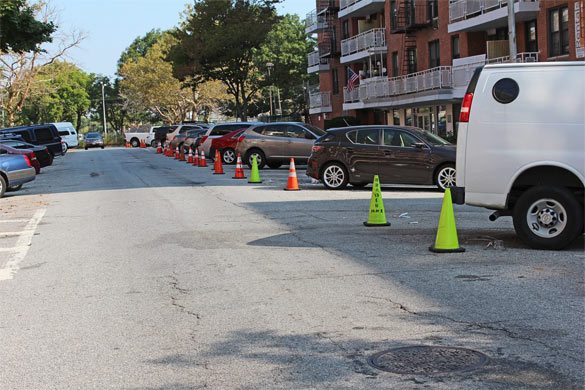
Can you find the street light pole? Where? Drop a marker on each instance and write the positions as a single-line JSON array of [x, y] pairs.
[[104, 108], [512, 31], [269, 65]]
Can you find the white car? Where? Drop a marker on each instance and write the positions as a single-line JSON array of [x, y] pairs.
[[521, 148], [68, 134]]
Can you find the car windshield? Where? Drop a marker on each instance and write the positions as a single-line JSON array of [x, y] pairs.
[[92, 135], [317, 131], [432, 138]]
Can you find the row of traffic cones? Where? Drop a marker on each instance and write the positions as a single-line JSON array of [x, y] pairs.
[[446, 240]]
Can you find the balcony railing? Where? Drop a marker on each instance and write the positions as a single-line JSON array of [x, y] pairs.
[[315, 59], [320, 100], [315, 21], [374, 38], [437, 78], [464, 9]]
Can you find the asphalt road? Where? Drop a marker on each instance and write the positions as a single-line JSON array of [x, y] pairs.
[[122, 269]]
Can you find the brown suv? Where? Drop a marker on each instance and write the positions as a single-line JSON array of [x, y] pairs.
[[275, 143]]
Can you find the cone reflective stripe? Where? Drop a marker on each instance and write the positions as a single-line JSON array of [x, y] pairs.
[[446, 240], [159, 148], [190, 157], [177, 153], [196, 158], [377, 214], [254, 173], [292, 183], [217, 167], [202, 160], [239, 169]]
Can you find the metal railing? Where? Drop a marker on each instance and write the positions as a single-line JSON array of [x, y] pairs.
[[435, 78], [463, 9], [315, 59], [320, 100], [343, 4], [374, 38], [311, 19]]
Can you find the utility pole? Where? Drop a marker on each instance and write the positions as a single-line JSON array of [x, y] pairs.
[[512, 31], [269, 65], [104, 108]]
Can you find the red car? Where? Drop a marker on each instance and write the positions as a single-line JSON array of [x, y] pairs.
[[226, 145], [5, 149]]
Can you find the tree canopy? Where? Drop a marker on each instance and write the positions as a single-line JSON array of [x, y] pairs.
[[139, 47], [20, 31]]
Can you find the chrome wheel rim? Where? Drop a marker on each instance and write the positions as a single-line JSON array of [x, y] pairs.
[[229, 156], [547, 218], [446, 177], [258, 159], [333, 176]]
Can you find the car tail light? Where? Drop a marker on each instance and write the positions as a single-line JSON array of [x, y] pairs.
[[466, 107], [241, 138], [203, 139], [27, 160], [32, 156], [315, 148]]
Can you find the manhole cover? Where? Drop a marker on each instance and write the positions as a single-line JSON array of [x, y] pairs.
[[427, 360]]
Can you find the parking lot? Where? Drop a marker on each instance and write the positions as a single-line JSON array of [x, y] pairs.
[[121, 268]]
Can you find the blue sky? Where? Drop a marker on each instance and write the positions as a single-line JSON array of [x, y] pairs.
[[111, 25]]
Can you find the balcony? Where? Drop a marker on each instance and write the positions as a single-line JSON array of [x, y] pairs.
[[363, 45], [411, 16], [356, 8], [315, 22], [317, 63], [443, 83], [320, 102], [479, 15]]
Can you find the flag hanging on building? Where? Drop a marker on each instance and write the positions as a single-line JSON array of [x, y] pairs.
[[352, 79]]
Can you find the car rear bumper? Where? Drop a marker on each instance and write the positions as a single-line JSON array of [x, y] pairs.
[[20, 176]]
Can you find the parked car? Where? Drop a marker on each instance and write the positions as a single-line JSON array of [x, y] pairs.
[[521, 149], [179, 139], [68, 134], [275, 143], [219, 130], [193, 142], [181, 129], [397, 154], [46, 135], [226, 145], [43, 155], [140, 134], [15, 170], [4, 149], [94, 140], [160, 134]]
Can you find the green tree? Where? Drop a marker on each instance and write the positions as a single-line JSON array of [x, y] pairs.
[[218, 41], [60, 93], [20, 31], [139, 47], [117, 112]]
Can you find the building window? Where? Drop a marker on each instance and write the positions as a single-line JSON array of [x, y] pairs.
[[455, 47], [345, 29], [558, 26], [395, 70], [411, 58], [531, 40], [434, 56], [335, 81], [433, 9]]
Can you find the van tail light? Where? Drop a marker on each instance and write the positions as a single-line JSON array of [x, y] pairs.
[[466, 107], [27, 160], [316, 149], [241, 138]]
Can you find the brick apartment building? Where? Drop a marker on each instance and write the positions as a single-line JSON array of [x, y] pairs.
[[414, 58]]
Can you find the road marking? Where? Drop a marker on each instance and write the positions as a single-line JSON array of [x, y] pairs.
[[13, 249], [14, 220], [22, 246], [11, 234]]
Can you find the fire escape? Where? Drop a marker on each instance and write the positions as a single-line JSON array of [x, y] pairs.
[[327, 38], [408, 17]]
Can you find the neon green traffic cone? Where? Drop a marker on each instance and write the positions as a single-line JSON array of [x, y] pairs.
[[254, 173], [446, 241], [377, 215]]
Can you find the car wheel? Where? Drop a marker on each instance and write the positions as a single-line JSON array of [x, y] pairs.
[[445, 177], [103, 147], [135, 143], [335, 176], [2, 186], [260, 158], [548, 217], [65, 148], [153, 143], [228, 156], [86, 148], [274, 165], [14, 188]]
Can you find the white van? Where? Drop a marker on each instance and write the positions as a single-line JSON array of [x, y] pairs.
[[521, 148], [68, 134]]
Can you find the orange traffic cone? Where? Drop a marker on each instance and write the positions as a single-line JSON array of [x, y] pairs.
[[202, 160], [142, 144], [177, 153], [239, 169], [159, 149], [181, 155], [190, 157], [217, 167], [293, 183], [196, 158]]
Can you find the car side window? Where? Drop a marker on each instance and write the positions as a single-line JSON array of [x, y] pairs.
[[391, 138], [275, 131], [407, 140], [43, 134], [505, 90], [25, 135], [352, 136], [295, 132], [368, 137], [222, 130], [259, 129]]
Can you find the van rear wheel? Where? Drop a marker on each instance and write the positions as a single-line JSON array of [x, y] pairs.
[[548, 217]]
